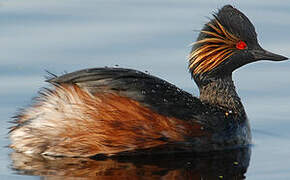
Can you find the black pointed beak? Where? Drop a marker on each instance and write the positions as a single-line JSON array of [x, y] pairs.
[[261, 53]]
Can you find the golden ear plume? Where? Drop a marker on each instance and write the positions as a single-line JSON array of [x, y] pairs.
[[215, 49]]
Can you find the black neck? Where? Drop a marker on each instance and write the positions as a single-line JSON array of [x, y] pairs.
[[220, 92]]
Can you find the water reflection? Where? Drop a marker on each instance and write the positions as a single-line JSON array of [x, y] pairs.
[[231, 164]]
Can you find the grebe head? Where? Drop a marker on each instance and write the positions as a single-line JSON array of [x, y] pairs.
[[226, 43]]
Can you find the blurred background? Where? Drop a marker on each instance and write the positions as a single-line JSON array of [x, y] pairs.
[[67, 35]]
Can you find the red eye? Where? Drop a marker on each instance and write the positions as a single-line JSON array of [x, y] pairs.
[[241, 45]]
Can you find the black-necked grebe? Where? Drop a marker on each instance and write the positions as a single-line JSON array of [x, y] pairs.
[[112, 111]]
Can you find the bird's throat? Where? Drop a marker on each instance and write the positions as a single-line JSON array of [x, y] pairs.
[[221, 92]]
